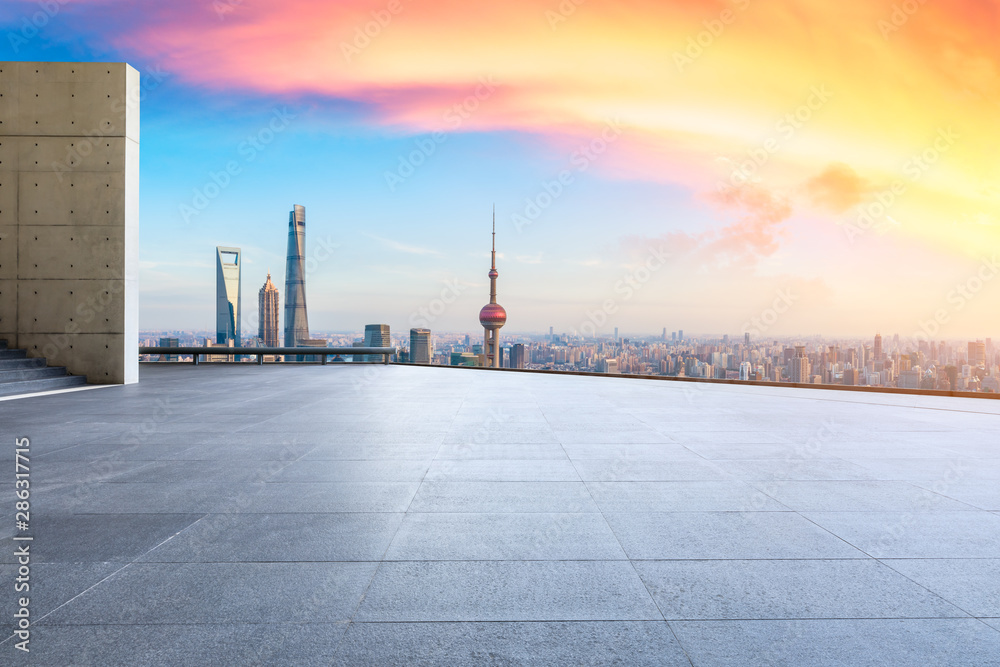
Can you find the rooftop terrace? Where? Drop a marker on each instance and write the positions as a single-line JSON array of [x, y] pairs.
[[395, 515]]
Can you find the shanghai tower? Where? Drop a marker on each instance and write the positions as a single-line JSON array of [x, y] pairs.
[[296, 320]]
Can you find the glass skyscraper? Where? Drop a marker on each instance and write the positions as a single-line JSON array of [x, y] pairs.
[[376, 335], [420, 346], [296, 319], [227, 295]]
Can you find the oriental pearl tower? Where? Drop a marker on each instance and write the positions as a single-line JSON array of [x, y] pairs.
[[493, 316]]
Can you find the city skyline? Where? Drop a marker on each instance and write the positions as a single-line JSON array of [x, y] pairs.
[[713, 146]]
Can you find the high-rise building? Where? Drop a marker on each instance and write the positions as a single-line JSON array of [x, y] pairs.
[[878, 347], [680, 334], [376, 335], [746, 338], [169, 342], [745, 369], [492, 316], [267, 302], [517, 355], [421, 351], [799, 366], [296, 318], [616, 335], [227, 295], [551, 334], [977, 353]]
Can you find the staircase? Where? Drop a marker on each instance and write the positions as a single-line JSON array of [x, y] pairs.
[[21, 375]]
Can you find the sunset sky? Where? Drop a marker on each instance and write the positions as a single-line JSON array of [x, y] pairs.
[[840, 155]]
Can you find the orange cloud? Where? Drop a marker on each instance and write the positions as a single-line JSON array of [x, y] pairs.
[[838, 188]]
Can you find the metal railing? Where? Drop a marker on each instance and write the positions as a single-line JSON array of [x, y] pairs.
[[260, 352]]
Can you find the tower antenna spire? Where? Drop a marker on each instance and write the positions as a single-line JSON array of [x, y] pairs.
[[493, 251]]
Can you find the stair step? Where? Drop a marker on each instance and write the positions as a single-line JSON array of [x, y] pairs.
[[45, 384], [18, 364], [31, 373], [13, 354]]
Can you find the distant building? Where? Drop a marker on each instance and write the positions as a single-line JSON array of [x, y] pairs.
[[267, 301], [421, 350], [227, 295], [798, 368], [377, 335], [611, 366], [977, 353], [680, 334], [878, 347], [517, 356], [169, 342], [909, 380], [745, 370], [465, 359]]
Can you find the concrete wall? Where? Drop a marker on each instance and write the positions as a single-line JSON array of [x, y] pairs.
[[69, 215]]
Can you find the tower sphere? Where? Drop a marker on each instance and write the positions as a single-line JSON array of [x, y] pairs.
[[492, 316]]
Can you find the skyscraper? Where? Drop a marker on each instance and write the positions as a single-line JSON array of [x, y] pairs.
[[376, 335], [421, 351], [799, 371], [492, 316], [267, 301], [878, 347], [227, 295], [517, 356], [296, 319]]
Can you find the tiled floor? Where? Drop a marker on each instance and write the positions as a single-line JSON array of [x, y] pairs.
[[236, 515]]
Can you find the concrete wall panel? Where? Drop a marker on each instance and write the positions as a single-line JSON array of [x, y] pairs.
[[80, 252], [96, 351], [8, 311], [65, 155], [70, 306], [8, 194], [74, 198], [8, 252]]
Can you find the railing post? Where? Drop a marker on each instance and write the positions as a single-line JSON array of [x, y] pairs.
[[385, 359], [194, 359], [323, 360], [260, 359]]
